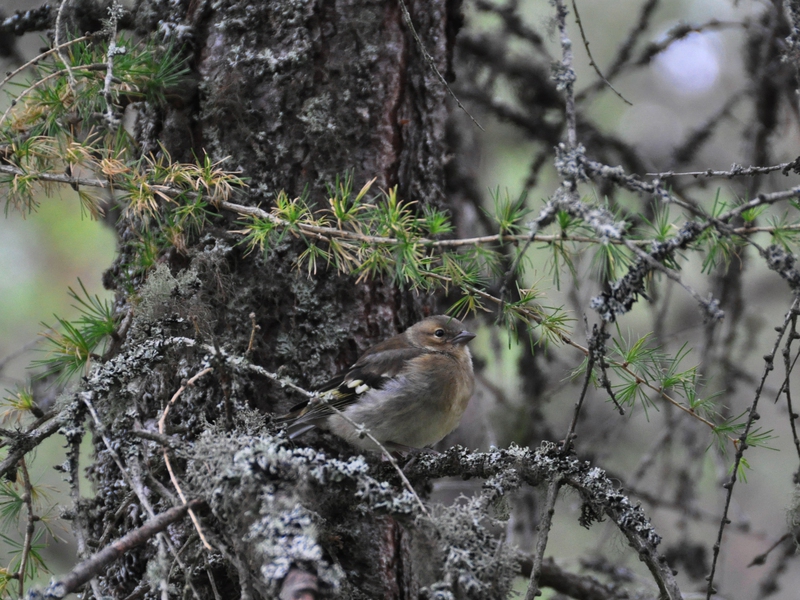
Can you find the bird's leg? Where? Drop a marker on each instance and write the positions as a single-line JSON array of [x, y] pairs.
[[414, 453]]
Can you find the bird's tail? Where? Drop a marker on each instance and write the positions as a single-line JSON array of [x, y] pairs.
[[295, 424]]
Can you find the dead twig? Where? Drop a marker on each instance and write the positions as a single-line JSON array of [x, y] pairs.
[[172, 477]]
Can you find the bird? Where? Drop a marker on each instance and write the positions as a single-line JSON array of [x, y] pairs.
[[409, 391]]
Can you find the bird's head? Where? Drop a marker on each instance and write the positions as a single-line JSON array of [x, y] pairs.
[[439, 333]]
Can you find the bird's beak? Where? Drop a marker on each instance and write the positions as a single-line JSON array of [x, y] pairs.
[[463, 337]]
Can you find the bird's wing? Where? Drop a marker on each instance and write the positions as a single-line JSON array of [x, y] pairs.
[[372, 372]]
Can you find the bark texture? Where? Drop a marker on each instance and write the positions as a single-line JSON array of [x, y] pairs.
[[294, 93]]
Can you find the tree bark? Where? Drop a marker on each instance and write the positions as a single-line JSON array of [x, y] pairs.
[[293, 94]]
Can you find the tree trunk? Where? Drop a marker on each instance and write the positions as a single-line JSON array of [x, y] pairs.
[[293, 94]]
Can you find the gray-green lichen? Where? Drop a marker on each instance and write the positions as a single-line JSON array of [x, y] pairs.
[[164, 293], [295, 498], [284, 490], [474, 563]]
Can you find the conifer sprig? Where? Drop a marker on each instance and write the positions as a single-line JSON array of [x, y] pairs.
[[72, 344]]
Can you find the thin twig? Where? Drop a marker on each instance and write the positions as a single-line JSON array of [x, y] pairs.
[[94, 565], [126, 474], [114, 13], [431, 63], [762, 558], [734, 171], [121, 511], [579, 402], [172, 477], [211, 580], [625, 49], [30, 521], [254, 327], [320, 232], [679, 32], [132, 477], [658, 266], [742, 446], [58, 45], [74, 437], [789, 366], [36, 59], [591, 58], [283, 381], [566, 78], [545, 523], [27, 441]]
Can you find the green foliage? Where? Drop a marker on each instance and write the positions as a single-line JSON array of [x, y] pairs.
[[751, 214], [720, 248], [508, 214], [34, 564], [142, 71], [73, 346], [734, 427], [62, 123], [643, 374], [785, 231], [384, 237], [17, 405], [661, 228], [54, 128], [647, 372], [562, 250], [21, 508], [610, 261]]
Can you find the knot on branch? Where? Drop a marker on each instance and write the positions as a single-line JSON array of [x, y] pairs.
[[563, 76], [569, 162], [783, 263], [625, 292], [23, 21], [712, 310]]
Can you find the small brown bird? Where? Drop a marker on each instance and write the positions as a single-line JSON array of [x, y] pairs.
[[408, 392]]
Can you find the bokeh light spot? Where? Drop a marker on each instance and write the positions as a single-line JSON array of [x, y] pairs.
[[690, 65]]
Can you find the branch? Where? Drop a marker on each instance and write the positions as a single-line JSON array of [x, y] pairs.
[[115, 13], [565, 78], [735, 171], [752, 416], [573, 585], [591, 58], [25, 442], [545, 523], [625, 49], [94, 565], [513, 466], [30, 518], [429, 60], [59, 45], [172, 476], [625, 292], [23, 21]]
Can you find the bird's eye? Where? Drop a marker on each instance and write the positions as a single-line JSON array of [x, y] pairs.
[[439, 333]]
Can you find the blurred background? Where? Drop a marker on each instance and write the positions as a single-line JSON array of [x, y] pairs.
[[688, 107], [697, 96]]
